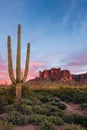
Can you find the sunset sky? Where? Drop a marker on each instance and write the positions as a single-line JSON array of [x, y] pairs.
[[56, 29]]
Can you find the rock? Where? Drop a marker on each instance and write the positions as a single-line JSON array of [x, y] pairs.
[[3, 116], [65, 76], [56, 74]]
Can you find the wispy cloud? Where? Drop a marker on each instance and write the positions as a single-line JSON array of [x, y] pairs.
[[77, 62], [67, 15]]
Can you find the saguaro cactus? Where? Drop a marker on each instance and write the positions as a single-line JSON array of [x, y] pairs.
[[19, 80]]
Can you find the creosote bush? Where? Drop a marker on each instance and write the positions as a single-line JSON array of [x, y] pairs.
[[46, 125], [6, 126], [77, 119], [17, 118]]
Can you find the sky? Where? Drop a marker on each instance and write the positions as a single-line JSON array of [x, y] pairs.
[[56, 30]]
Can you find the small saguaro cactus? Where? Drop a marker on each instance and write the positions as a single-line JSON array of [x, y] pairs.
[[19, 80]]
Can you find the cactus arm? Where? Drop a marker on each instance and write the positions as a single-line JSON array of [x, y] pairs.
[[27, 62], [10, 66], [18, 58]]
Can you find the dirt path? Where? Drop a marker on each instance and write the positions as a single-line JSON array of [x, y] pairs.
[[28, 127], [31, 127], [73, 108]]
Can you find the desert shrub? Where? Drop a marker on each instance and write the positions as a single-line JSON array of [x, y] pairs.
[[40, 110], [6, 126], [72, 95], [6, 99], [38, 119], [17, 118], [73, 127], [35, 119], [75, 118], [49, 110], [26, 92], [61, 106], [56, 120], [36, 101], [2, 108], [65, 97], [83, 106], [11, 91], [55, 111], [46, 125], [54, 103], [36, 108], [26, 109], [3, 100], [10, 107], [78, 98], [10, 99], [45, 99], [26, 101]]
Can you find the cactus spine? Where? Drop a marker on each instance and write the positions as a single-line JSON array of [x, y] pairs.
[[18, 81]]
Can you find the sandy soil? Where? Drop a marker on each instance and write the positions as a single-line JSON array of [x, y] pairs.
[[31, 127]]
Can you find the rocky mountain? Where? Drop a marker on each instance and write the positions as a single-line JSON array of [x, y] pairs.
[[58, 75]]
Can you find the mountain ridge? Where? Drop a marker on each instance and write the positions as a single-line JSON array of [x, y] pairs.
[[59, 75]]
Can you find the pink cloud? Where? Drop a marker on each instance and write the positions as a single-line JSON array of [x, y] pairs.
[[78, 59], [77, 62]]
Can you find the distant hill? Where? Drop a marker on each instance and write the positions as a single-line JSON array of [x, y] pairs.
[[59, 76]]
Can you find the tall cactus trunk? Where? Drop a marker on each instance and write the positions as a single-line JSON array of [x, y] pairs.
[[19, 79], [18, 57], [18, 96]]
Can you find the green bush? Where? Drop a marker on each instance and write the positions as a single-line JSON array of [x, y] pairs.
[[26, 101], [75, 118], [26, 92], [55, 112], [6, 99], [17, 118], [61, 106], [26, 109], [45, 99], [6, 126], [35, 119], [46, 125], [10, 99], [10, 107], [65, 97], [11, 90], [55, 103], [73, 127], [3, 100], [2, 108], [72, 95], [56, 120]]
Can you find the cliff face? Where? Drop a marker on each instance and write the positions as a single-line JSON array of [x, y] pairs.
[[62, 75], [59, 76], [56, 74]]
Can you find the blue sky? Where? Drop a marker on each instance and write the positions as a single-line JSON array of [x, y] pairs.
[[56, 29]]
